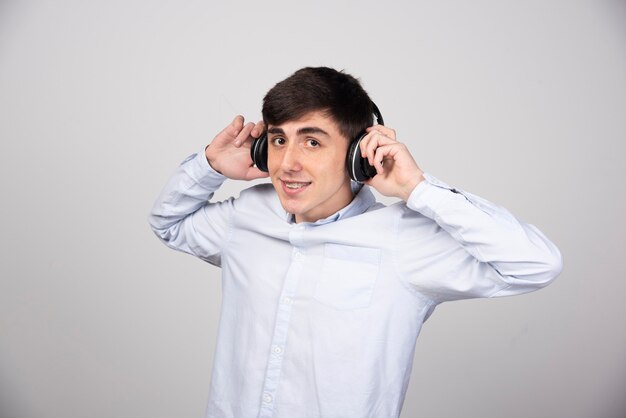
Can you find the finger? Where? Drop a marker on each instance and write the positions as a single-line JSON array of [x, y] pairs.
[[234, 127], [375, 141], [243, 134], [388, 153], [373, 138], [379, 157], [378, 160], [258, 129], [368, 142], [231, 130], [385, 130]]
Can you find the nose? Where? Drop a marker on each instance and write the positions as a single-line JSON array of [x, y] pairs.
[[291, 158]]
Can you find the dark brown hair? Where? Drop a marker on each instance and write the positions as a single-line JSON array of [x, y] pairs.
[[309, 89]]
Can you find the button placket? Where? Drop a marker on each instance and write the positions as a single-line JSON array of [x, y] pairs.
[[282, 323]]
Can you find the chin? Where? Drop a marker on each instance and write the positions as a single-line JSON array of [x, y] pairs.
[[290, 207]]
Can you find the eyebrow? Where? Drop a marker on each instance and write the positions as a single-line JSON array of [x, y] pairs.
[[302, 131]]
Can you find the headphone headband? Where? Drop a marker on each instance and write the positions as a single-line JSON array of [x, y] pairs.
[[379, 116]]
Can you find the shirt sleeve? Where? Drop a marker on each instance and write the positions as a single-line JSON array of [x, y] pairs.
[[475, 249], [182, 216]]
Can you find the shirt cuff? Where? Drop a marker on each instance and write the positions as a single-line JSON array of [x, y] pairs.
[[198, 168], [429, 195]]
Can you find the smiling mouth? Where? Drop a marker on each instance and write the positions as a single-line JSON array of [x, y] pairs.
[[295, 185]]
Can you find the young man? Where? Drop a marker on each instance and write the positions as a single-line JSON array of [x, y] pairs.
[[324, 289]]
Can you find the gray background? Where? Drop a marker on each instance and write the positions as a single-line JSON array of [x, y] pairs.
[[521, 102]]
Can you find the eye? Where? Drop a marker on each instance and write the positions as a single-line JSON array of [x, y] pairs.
[[278, 140], [312, 143]]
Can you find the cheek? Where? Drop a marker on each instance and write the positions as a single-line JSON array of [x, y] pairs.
[[339, 165], [329, 169], [273, 162]]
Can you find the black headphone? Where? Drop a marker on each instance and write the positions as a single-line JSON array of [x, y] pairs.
[[358, 167]]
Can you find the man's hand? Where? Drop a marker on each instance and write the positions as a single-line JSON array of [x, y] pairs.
[[229, 152], [398, 173]]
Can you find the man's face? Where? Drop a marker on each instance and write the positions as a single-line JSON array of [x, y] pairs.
[[306, 162]]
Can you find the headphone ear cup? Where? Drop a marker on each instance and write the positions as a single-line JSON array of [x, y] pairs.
[[258, 152], [358, 167]]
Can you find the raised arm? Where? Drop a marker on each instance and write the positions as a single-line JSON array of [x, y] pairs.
[[182, 216], [484, 252]]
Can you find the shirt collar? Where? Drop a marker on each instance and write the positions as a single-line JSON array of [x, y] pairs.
[[363, 199]]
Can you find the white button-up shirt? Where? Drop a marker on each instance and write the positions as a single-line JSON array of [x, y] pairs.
[[321, 319]]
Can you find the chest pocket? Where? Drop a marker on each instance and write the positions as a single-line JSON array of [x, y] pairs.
[[348, 276]]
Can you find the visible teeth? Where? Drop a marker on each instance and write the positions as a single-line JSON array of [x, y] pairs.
[[295, 185]]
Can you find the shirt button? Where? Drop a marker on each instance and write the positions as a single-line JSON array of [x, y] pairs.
[[287, 300], [267, 398], [277, 349], [298, 256]]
